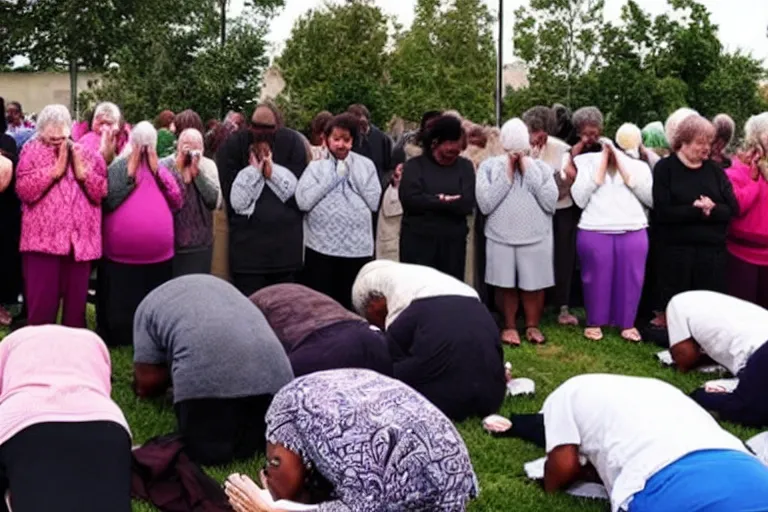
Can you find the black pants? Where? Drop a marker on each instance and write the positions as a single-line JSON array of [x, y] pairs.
[[447, 254], [689, 267], [196, 261], [217, 431], [67, 467], [528, 427], [248, 283], [332, 275], [565, 223], [748, 404], [121, 288]]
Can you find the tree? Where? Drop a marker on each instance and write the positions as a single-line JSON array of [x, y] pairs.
[[336, 55], [446, 60]]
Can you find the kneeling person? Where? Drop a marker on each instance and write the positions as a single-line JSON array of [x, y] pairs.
[[199, 334], [734, 333], [320, 334]]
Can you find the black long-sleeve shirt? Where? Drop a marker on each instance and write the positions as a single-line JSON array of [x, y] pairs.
[[423, 212], [675, 189]]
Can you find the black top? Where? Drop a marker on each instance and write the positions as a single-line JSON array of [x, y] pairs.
[[10, 229], [377, 146], [271, 239], [675, 189], [423, 180]]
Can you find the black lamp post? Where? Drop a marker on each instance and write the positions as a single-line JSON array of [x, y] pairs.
[[500, 67]]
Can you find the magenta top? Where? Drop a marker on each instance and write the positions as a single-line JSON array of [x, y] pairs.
[[748, 232], [140, 230], [93, 141], [54, 374], [60, 216]]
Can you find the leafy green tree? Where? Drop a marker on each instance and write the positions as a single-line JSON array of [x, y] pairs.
[[336, 55], [446, 60]]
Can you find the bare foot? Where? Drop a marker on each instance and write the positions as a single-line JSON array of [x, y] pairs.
[[632, 335], [535, 336], [593, 333], [566, 318], [510, 337]]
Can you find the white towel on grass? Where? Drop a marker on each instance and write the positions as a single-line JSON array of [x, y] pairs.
[[535, 471], [285, 504], [666, 359]]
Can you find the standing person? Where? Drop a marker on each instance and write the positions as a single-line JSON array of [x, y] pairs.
[[138, 233], [733, 333], [17, 127], [394, 450], [64, 444], [265, 247], [437, 192], [372, 142], [542, 124], [338, 195], [614, 192], [103, 134], [166, 133], [11, 283], [725, 127], [200, 336], [193, 223], [693, 203], [317, 135], [61, 186], [519, 195], [747, 243]]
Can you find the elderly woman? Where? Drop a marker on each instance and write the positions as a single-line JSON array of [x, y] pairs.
[[138, 233], [693, 205], [193, 223], [542, 123], [103, 135], [10, 227], [61, 186], [338, 195], [320, 334], [203, 338], [395, 452], [518, 194], [64, 444], [614, 192], [437, 192], [747, 242], [442, 339], [725, 127]]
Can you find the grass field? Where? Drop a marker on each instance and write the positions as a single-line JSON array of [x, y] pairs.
[[498, 462]]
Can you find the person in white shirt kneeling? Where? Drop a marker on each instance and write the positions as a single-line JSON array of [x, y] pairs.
[[733, 333]]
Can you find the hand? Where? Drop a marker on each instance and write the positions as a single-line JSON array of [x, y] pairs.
[[108, 143], [266, 165], [245, 495], [521, 164], [397, 175], [151, 153], [134, 161], [754, 164], [77, 163], [254, 160], [570, 171], [513, 163], [578, 148], [62, 161], [448, 199]]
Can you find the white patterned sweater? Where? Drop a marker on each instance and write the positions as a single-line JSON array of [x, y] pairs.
[[339, 197]]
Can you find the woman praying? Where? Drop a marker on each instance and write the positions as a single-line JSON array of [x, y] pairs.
[[104, 134]]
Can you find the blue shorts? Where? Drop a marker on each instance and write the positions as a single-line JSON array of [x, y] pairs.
[[706, 481]]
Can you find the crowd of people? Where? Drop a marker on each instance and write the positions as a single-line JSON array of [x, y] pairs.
[[346, 296]]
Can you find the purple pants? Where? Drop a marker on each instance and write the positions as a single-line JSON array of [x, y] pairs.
[[49, 280], [747, 281], [612, 273]]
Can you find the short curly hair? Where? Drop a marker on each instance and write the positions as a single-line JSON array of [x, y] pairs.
[[445, 128], [587, 116], [756, 132], [689, 129], [346, 121], [540, 119]]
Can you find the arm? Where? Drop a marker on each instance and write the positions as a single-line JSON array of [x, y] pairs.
[[722, 212], [208, 191], [540, 181], [170, 185], [412, 194], [639, 179], [210, 173], [492, 185], [316, 182], [94, 185], [562, 468], [666, 212], [119, 184], [365, 182], [33, 181], [466, 204], [283, 182], [584, 185], [246, 190], [745, 190]]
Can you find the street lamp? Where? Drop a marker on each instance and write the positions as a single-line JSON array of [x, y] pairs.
[[500, 67]]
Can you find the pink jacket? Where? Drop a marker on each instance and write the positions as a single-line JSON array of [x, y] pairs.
[[60, 216], [748, 233]]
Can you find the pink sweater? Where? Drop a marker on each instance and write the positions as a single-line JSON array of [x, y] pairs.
[[93, 141], [54, 374], [748, 233], [60, 216]]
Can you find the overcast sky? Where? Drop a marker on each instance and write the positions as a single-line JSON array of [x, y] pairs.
[[742, 22]]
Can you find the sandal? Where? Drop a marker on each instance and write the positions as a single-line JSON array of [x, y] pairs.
[[535, 336], [566, 317], [510, 337], [632, 335], [593, 333]]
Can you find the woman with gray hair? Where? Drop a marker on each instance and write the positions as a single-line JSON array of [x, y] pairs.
[[693, 203], [61, 186], [104, 129], [193, 223], [724, 130], [747, 242], [138, 233], [518, 194]]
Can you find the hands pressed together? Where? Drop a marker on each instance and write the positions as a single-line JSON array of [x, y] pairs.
[[139, 154], [705, 204], [246, 496]]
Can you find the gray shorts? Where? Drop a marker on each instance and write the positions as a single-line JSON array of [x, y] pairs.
[[528, 267]]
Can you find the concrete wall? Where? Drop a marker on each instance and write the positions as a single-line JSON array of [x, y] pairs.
[[36, 90]]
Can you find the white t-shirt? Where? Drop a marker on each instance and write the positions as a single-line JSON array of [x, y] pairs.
[[629, 428], [729, 330]]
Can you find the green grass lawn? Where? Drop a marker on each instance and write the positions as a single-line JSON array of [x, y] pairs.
[[498, 462]]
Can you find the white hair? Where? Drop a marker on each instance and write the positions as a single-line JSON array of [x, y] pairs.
[[143, 134], [587, 116], [191, 136], [756, 132], [514, 136], [108, 110], [55, 114], [674, 120]]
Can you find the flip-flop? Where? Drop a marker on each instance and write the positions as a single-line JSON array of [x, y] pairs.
[[593, 333], [497, 426], [567, 319], [632, 335], [511, 337], [535, 336]]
